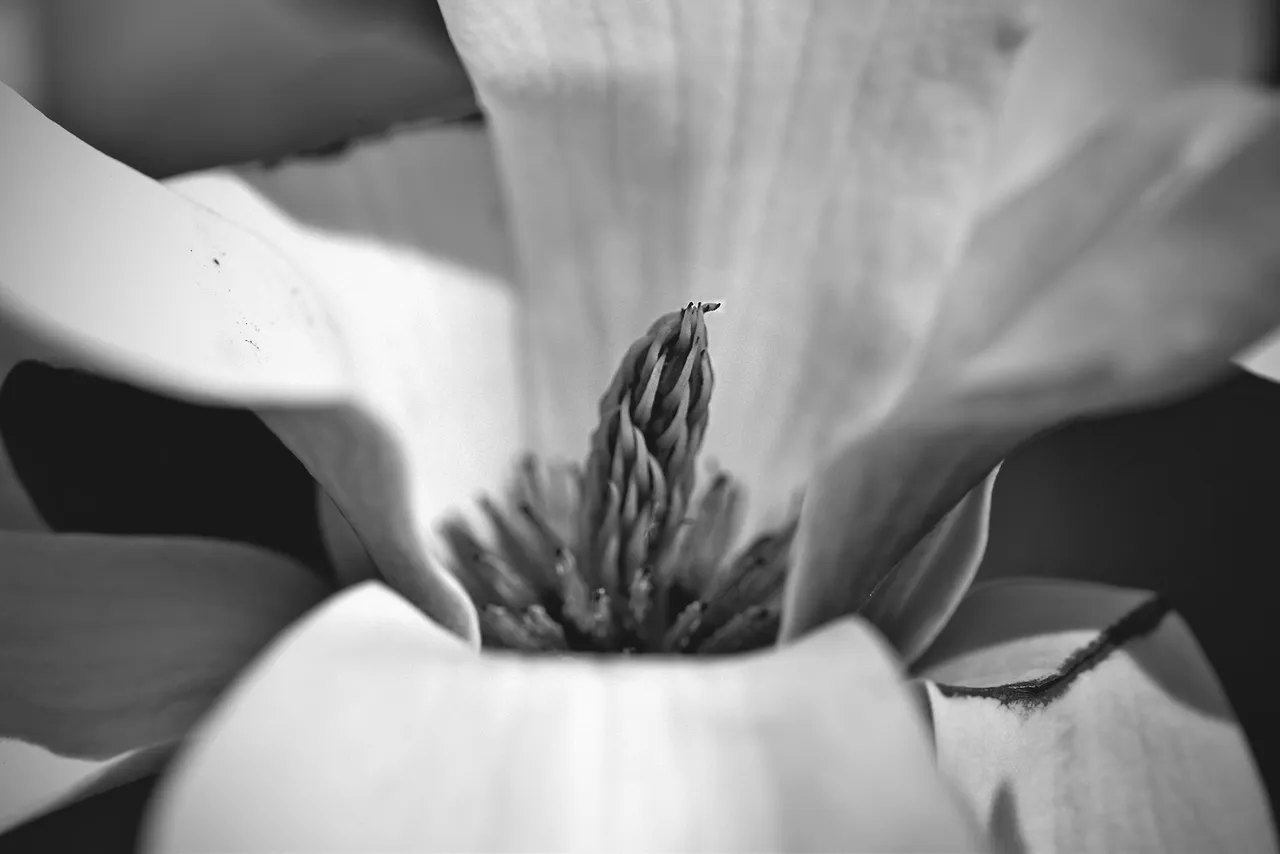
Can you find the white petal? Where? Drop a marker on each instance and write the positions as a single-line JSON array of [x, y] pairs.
[[107, 266], [367, 728], [916, 600], [108, 644], [1090, 61], [813, 165], [389, 371], [34, 781], [1129, 275], [401, 239], [350, 559], [1141, 752]]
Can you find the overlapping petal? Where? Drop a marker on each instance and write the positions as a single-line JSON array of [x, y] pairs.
[[1131, 273], [1114, 735], [916, 600], [368, 727], [109, 644], [361, 355]]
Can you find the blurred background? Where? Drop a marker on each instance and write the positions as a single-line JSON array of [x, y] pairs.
[[1184, 499]]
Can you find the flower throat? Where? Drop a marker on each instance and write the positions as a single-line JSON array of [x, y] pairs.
[[623, 554]]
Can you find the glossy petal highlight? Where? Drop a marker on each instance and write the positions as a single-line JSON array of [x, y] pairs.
[[1139, 751], [369, 728]]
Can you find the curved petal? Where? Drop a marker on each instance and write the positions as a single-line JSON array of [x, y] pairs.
[[362, 356], [34, 781], [109, 268], [913, 604], [173, 86], [108, 644], [430, 331], [1131, 274], [1120, 738], [1091, 61], [812, 165], [367, 728], [1120, 58], [350, 559]]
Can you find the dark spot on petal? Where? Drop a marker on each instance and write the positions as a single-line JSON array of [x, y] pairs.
[[1011, 33], [1039, 693]]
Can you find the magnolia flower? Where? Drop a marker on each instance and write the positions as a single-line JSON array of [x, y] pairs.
[[880, 351]]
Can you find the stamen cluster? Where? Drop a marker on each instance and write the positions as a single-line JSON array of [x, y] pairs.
[[623, 554]]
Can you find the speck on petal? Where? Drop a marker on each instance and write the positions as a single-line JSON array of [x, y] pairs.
[[360, 354], [1134, 748], [368, 728]]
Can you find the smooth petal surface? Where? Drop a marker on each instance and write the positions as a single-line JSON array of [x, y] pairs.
[[1129, 275], [174, 85], [34, 781], [361, 355], [1091, 61], [108, 644], [1132, 748], [110, 268], [913, 604], [402, 239], [368, 728], [813, 165], [350, 559]]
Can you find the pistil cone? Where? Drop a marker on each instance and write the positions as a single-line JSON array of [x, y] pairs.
[[641, 466], [619, 555]]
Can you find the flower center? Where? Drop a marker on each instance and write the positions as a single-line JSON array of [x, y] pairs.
[[624, 554]]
